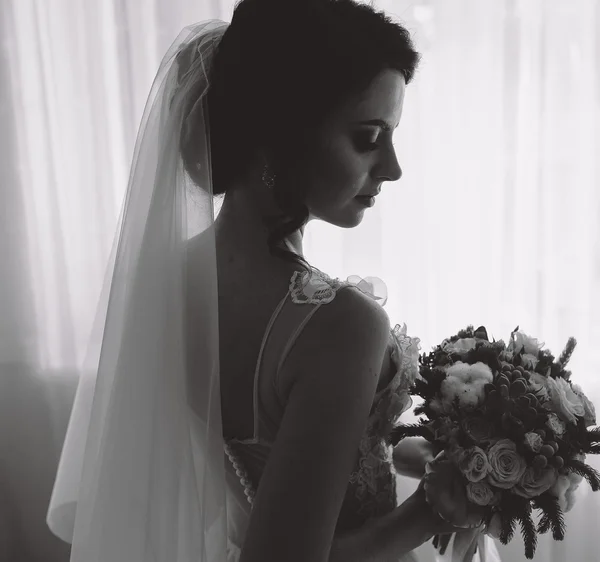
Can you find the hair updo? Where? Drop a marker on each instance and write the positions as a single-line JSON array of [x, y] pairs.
[[280, 68]]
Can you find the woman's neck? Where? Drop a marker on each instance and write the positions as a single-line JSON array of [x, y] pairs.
[[240, 229]]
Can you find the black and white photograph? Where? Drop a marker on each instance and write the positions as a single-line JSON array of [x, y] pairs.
[[299, 280]]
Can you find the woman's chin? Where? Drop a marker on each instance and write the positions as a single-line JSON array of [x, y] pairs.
[[348, 217]]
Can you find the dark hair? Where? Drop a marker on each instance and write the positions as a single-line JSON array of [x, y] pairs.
[[280, 68]]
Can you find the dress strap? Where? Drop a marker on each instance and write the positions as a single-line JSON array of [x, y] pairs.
[[259, 362]]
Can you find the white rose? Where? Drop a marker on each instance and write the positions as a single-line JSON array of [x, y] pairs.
[[564, 490], [533, 441], [538, 385], [556, 424], [570, 497], [559, 490], [506, 464], [564, 399], [535, 482], [589, 411], [482, 494], [473, 464], [460, 346], [529, 361], [521, 341]]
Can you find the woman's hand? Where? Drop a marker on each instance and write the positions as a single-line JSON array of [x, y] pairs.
[[393, 535], [445, 491], [411, 455], [465, 540], [434, 524]]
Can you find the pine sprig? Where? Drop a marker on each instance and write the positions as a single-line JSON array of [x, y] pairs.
[[589, 473], [508, 523], [484, 353], [528, 531], [593, 435], [565, 356], [468, 332], [552, 516], [423, 389]]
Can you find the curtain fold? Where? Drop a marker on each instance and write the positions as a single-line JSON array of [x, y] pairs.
[[496, 220]]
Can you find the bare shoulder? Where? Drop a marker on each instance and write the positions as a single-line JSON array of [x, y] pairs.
[[348, 329], [336, 362]]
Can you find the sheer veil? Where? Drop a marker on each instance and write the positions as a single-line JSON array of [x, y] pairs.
[[141, 475]]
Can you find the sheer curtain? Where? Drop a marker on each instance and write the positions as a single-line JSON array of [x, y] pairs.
[[74, 77], [494, 222]]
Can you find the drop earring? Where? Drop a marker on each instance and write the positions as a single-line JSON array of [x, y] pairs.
[[268, 177]]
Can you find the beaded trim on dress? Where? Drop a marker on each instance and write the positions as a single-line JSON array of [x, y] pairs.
[[242, 474]]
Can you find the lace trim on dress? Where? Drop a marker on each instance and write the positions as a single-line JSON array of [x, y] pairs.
[[316, 287], [374, 478], [313, 287]]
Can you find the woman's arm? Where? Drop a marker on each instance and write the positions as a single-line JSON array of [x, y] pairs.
[[391, 536], [334, 366]]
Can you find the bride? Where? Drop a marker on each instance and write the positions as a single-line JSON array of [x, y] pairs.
[[235, 400]]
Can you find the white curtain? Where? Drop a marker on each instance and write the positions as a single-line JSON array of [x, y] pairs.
[[495, 221]]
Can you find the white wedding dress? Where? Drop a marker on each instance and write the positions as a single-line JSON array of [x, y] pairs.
[[371, 489]]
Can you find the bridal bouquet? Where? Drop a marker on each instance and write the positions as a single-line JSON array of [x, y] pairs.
[[511, 431]]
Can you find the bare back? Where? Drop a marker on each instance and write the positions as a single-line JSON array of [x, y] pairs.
[[246, 304], [247, 301]]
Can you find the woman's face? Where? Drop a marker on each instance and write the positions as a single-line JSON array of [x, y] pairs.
[[354, 154]]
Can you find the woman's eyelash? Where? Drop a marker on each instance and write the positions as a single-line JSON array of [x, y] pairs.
[[367, 142]]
